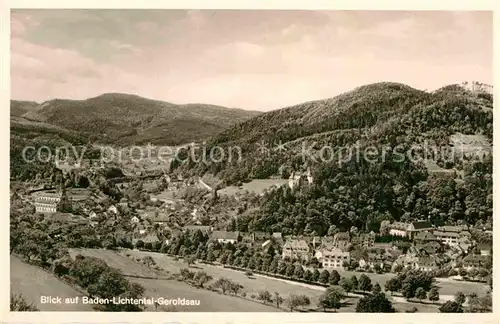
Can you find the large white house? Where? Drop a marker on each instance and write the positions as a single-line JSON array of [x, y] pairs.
[[225, 237], [334, 258]]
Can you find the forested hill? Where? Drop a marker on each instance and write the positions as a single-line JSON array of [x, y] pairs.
[[362, 107], [124, 119], [19, 108], [387, 113], [352, 192]]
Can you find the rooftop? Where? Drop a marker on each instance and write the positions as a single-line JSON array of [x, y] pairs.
[[421, 225], [456, 229], [484, 246], [277, 235], [425, 236], [297, 244], [446, 234], [334, 251], [197, 227], [475, 258], [427, 261], [399, 226], [342, 236]]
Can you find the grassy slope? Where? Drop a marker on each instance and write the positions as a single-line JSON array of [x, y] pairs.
[[210, 301], [33, 282]]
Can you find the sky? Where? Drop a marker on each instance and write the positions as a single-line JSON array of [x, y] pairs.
[[257, 60]]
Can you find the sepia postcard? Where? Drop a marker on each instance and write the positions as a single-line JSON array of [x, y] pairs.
[[285, 162]]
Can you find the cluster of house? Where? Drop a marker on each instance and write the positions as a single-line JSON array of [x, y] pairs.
[[331, 252], [431, 248], [453, 236], [261, 239]]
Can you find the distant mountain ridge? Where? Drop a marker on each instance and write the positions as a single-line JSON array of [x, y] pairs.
[[19, 108], [126, 119]]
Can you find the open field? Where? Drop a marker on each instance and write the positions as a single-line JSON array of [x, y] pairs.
[[255, 284], [251, 285], [257, 186], [258, 283], [33, 282], [209, 301], [114, 260], [447, 287]]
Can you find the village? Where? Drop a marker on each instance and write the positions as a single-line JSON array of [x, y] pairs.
[[170, 205]]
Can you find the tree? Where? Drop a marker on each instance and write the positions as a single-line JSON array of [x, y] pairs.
[[376, 288], [223, 283], [186, 274], [460, 298], [202, 278], [307, 275], [273, 267], [384, 228], [19, 304], [365, 283], [278, 299], [434, 294], [265, 296], [377, 268], [376, 303], [334, 277], [346, 284], [473, 273], [332, 298], [354, 282], [324, 277], [474, 303], [483, 273], [210, 256], [235, 287], [298, 272], [282, 267], [451, 307], [420, 294], [148, 261], [408, 290], [393, 285], [295, 301], [398, 268], [315, 275], [139, 244], [111, 283], [332, 230], [290, 269], [462, 272]]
